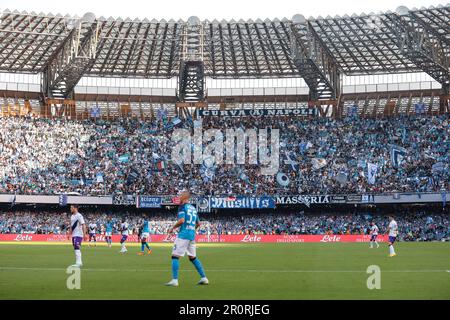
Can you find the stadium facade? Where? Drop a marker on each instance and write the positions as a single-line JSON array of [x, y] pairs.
[[68, 55]]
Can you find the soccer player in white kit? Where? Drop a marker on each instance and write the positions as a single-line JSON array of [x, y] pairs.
[[393, 232], [77, 231], [373, 234]]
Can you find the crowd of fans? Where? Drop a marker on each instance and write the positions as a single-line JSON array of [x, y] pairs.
[[416, 226], [43, 156]]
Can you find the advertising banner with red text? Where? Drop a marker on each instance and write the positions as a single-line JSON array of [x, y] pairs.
[[239, 238]]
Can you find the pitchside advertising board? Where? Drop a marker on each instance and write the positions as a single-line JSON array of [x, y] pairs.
[[238, 238]]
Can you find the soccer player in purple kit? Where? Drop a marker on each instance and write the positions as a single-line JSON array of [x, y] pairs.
[[77, 231], [92, 233], [124, 232]]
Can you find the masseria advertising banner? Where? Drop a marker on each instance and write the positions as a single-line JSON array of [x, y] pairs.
[[307, 200], [238, 238], [257, 112]]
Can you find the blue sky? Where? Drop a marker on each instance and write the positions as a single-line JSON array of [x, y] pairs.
[[211, 9]]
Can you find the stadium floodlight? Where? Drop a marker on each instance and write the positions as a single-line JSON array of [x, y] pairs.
[[88, 17], [402, 11], [193, 21], [299, 19], [71, 24]]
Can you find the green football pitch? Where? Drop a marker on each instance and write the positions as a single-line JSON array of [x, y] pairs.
[[235, 271]]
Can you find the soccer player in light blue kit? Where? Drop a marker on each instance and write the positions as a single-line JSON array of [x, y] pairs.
[[145, 236], [108, 232], [188, 222]]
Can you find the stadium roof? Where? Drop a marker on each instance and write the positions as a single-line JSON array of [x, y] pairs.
[[360, 44]]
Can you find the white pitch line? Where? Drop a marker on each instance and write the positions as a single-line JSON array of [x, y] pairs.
[[221, 270]]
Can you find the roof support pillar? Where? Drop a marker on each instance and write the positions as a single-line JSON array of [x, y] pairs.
[[75, 55]]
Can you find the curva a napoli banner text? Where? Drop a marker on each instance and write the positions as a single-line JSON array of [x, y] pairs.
[[257, 112]]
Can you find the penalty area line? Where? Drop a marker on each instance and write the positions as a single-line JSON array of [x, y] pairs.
[[220, 270]]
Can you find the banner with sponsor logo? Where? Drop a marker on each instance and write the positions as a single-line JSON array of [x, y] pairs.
[[203, 204], [238, 238], [242, 202], [338, 199], [257, 112], [124, 199], [307, 200], [354, 198], [148, 202]]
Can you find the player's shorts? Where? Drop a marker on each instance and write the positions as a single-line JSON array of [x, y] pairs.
[[76, 242], [373, 237], [183, 246], [392, 239], [124, 238], [108, 234], [145, 236], [91, 235]]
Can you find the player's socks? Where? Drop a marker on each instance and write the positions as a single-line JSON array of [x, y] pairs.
[[148, 247], [175, 267], [142, 247], [199, 267], [377, 244], [391, 250], [78, 257]]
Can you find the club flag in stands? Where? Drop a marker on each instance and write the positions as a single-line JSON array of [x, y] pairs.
[[438, 167], [318, 163], [352, 111], [371, 172], [293, 164], [176, 121], [207, 173], [99, 177], [419, 107], [62, 199], [197, 123], [397, 155], [282, 179], [95, 112], [124, 158], [160, 165]]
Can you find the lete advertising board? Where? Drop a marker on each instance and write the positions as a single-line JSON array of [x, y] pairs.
[[238, 238]]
